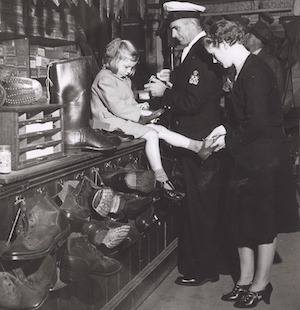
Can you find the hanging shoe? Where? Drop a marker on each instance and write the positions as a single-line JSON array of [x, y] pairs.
[[77, 203], [81, 259], [130, 205], [43, 227], [28, 286], [123, 180], [251, 299]]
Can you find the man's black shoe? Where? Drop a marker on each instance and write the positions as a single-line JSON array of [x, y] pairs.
[[195, 281]]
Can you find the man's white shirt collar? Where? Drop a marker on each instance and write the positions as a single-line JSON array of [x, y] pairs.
[[188, 48]]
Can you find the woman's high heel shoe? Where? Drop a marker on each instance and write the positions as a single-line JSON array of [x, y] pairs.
[[251, 299], [237, 292]]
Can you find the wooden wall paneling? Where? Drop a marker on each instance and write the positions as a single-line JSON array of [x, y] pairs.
[[112, 282], [52, 302], [134, 260], [153, 237], [84, 294], [160, 227], [124, 276], [67, 299], [144, 251], [100, 292], [8, 212]]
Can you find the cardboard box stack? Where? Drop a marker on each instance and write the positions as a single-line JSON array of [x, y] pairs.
[[12, 17]]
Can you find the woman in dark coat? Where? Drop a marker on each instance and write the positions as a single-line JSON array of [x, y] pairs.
[[261, 197]]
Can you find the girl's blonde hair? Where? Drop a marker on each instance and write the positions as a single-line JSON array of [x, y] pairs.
[[118, 50]]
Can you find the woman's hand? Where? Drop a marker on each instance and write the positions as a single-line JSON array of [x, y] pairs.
[[217, 138]]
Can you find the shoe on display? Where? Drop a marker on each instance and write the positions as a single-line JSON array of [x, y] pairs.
[[44, 226]]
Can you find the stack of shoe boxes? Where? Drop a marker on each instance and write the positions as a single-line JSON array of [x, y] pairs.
[[14, 57], [12, 17], [41, 56]]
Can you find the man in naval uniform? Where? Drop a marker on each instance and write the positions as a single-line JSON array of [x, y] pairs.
[[193, 99]]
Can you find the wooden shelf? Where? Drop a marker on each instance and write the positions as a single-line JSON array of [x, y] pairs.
[[49, 42]]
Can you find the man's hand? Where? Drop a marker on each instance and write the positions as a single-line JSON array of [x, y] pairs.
[[155, 87]]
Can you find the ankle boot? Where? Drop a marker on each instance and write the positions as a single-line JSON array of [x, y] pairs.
[[124, 180], [77, 204], [70, 85], [81, 259], [28, 286], [43, 227]]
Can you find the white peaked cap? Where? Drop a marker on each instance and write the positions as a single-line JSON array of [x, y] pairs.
[[177, 6]]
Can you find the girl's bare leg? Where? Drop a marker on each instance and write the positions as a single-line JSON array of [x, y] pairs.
[[176, 139]]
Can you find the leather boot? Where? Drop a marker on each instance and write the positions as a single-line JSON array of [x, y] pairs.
[[28, 287], [70, 84], [43, 227], [77, 204], [81, 259], [124, 180]]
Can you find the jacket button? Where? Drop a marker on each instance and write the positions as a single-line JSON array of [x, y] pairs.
[[177, 123]]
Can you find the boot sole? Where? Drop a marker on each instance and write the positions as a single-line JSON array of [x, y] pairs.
[[70, 275], [59, 240]]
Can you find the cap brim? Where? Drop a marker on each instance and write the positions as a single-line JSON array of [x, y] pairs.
[[175, 15]]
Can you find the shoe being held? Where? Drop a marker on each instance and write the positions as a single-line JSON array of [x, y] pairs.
[[147, 119]]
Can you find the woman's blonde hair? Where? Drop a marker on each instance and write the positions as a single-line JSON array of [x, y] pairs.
[[118, 50]]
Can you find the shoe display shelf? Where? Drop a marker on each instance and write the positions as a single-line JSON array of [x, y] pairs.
[[145, 263]]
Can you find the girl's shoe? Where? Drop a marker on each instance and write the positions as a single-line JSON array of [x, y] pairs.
[[251, 299], [237, 292], [171, 193]]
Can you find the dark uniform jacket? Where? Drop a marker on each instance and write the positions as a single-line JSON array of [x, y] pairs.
[[194, 98], [195, 110]]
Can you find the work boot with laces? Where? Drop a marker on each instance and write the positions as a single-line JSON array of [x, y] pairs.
[[43, 227], [81, 259], [28, 286], [77, 204]]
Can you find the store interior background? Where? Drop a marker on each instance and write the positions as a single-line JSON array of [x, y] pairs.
[[99, 21]]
